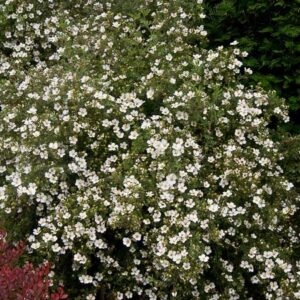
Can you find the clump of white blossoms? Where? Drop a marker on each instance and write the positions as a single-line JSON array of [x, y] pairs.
[[147, 167]]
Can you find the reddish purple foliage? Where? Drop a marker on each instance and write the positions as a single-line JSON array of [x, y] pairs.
[[23, 283]]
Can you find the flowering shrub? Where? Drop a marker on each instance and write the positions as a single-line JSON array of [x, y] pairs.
[[142, 155], [23, 283]]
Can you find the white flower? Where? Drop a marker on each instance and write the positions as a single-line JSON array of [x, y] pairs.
[[133, 135], [259, 201], [82, 112], [31, 190], [32, 110], [100, 95], [80, 258], [86, 279], [150, 94], [234, 43], [137, 236], [177, 149], [169, 57], [127, 242], [2, 192], [213, 207], [203, 258], [56, 248], [35, 245], [100, 244]]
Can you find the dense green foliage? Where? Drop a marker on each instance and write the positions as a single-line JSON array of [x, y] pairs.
[[269, 30], [291, 163]]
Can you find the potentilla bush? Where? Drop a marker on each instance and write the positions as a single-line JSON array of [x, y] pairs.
[[144, 160]]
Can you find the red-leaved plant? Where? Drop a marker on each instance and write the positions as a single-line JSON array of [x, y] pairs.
[[23, 283]]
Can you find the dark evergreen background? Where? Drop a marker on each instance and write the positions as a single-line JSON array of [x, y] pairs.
[[270, 31]]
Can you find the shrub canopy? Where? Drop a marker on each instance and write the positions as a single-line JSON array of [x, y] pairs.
[[147, 167]]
